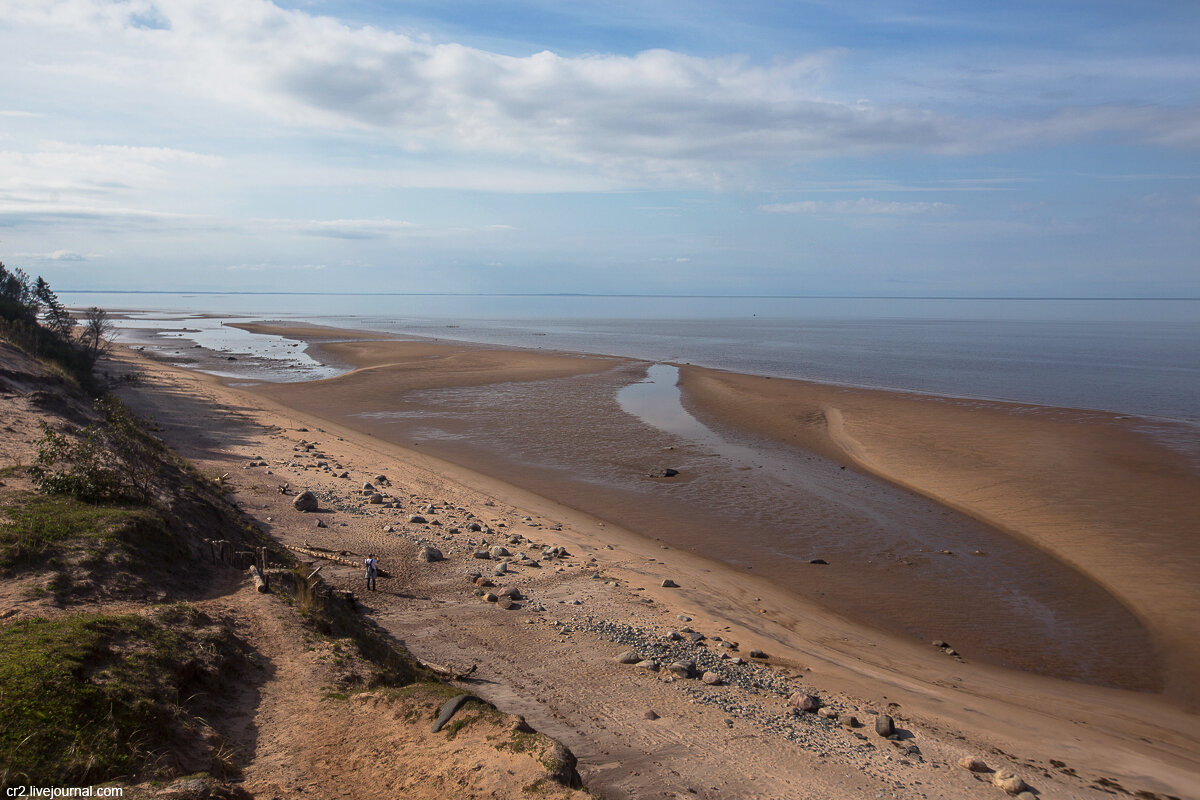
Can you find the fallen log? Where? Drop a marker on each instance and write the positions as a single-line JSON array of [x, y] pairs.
[[259, 583], [449, 673], [308, 551]]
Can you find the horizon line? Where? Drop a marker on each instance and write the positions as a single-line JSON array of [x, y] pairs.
[[621, 294]]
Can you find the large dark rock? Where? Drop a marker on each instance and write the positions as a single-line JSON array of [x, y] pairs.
[[305, 501]]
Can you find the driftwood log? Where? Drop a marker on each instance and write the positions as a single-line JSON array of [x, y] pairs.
[[449, 673], [308, 551], [259, 582]]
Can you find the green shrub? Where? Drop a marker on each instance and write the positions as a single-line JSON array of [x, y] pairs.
[[113, 461], [90, 697]]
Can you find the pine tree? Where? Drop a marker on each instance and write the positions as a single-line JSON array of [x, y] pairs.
[[58, 319]]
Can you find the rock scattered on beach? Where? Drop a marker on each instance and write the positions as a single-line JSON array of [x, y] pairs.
[[973, 764], [804, 702], [684, 669], [1008, 781], [305, 501]]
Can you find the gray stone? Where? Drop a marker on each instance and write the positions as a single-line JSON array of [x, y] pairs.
[[712, 678], [417, 519], [376, 499], [850, 721], [684, 669], [649, 664], [669, 584], [449, 709], [305, 501], [628, 657], [501, 569], [885, 725], [757, 654], [429, 554], [321, 524], [499, 552]]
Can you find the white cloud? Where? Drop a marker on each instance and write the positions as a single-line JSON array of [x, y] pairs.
[[863, 206], [654, 118]]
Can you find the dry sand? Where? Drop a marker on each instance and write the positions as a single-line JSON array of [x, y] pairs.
[[554, 665]]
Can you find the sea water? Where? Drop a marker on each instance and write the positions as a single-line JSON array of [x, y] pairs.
[[1131, 356]]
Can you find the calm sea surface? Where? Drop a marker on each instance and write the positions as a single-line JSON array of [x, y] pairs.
[[1133, 356]]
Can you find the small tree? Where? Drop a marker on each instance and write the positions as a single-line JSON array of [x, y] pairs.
[[96, 336]]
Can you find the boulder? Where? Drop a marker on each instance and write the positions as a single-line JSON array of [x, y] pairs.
[[885, 725], [375, 499], [510, 591], [1008, 781], [757, 654], [305, 501], [711, 678], [973, 764], [804, 702], [669, 584], [649, 664], [684, 669], [429, 554], [628, 657], [850, 721], [499, 552], [417, 519], [826, 713]]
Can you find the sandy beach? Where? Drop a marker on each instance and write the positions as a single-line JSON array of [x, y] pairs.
[[1033, 540]]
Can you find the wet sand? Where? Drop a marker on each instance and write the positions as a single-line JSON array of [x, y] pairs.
[[1046, 540]]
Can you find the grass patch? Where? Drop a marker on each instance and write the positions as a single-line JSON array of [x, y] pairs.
[[37, 528], [90, 697]]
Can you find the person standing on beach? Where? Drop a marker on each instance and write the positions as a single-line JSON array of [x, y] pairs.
[[372, 570]]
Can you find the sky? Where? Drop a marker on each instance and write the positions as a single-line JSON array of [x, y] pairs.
[[759, 147]]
